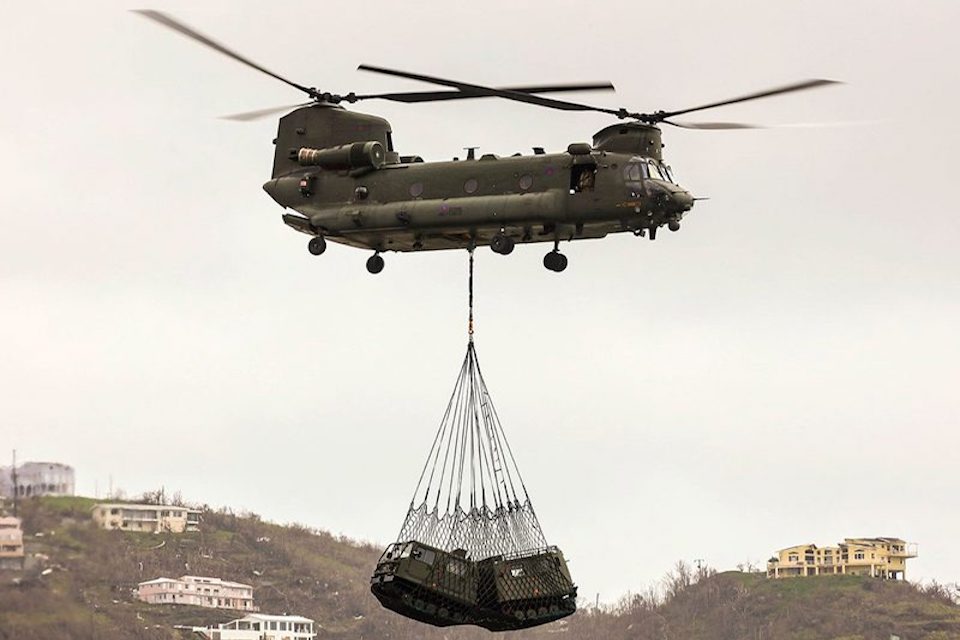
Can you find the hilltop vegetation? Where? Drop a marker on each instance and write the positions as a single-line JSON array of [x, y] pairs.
[[89, 592]]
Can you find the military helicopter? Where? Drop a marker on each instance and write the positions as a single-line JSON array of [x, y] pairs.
[[339, 172]]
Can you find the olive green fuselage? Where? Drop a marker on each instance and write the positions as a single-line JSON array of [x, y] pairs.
[[408, 205]]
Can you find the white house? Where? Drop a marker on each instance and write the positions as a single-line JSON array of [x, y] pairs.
[[261, 626]]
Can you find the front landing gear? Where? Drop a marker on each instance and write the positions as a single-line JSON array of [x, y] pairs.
[[317, 245], [375, 263], [555, 261], [502, 244]]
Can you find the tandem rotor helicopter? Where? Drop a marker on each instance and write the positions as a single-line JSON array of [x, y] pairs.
[[339, 172]]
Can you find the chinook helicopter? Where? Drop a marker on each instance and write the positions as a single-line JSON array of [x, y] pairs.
[[338, 170]]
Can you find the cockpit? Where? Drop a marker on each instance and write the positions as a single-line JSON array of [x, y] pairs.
[[647, 169]]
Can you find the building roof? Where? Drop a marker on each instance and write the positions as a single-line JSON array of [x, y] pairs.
[[158, 581], [199, 580], [271, 618], [142, 507], [217, 581]]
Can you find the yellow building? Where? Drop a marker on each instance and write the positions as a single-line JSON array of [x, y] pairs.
[[884, 558], [146, 517]]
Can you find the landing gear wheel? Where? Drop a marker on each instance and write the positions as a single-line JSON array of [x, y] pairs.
[[674, 225], [317, 245], [502, 244], [555, 261], [375, 263]]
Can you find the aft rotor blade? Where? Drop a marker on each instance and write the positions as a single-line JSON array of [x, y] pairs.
[[798, 86], [480, 91], [172, 23], [437, 96], [247, 116]]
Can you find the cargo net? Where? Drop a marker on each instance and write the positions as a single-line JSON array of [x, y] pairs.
[[470, 495], [471, 550]]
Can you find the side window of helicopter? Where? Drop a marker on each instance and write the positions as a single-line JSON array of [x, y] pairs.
[[471, 185], [632, 172], [526, 181], [582, 178], [416, 189]]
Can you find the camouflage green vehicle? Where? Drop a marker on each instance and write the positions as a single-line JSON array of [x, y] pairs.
[[499, 593], [527, 589], [426, 584]]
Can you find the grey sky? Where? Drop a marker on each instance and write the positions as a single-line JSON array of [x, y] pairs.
[[783, 370]]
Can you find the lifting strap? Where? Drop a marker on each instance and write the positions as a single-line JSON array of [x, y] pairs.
[[470, 289]]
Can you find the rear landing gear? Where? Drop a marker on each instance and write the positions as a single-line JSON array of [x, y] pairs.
[[555, 261], [375, 263], [317, 245]]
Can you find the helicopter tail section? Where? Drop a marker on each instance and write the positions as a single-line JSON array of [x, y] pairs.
[[323, 126]]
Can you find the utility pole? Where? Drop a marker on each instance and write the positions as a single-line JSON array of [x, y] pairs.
[[16, 487]]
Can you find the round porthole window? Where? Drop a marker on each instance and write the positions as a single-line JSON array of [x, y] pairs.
[[416, 189], [526, 181], [471, 185], [361, 193]]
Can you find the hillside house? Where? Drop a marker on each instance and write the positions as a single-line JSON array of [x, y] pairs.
[[11, 543], [198, 591], [260, 626], [37, 479], [884, 558], [146, 517]]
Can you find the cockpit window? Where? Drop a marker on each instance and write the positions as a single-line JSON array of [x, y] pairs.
[[631, 172], [668, 172], [654, 171]]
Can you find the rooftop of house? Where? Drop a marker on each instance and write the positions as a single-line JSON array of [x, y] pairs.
[[142, 507]]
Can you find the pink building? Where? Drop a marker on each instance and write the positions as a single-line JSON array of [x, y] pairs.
[[198, 591]]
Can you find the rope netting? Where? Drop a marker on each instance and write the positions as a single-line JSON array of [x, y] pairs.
[[471, 550]]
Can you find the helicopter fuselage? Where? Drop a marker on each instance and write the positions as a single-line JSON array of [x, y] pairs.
[[458, 204], [404, 204]]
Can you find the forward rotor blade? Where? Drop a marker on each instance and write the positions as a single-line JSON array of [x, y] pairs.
[[714, 125], [437, 96], [172, 23], [479, 91], [788, 125], [798, 86], [247, 116]]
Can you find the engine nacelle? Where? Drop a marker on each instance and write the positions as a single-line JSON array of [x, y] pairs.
[[356, 155]]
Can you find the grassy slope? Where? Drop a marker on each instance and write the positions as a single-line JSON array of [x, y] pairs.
[[89, 594]]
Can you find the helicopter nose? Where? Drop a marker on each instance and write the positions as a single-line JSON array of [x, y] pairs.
[[682, 201]]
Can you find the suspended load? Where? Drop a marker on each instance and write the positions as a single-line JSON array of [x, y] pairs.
[[471, 550]]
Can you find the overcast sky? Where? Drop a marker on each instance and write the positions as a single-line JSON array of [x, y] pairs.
[[783, 370]]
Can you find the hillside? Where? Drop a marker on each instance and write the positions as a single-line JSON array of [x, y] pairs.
[[88, 594]]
